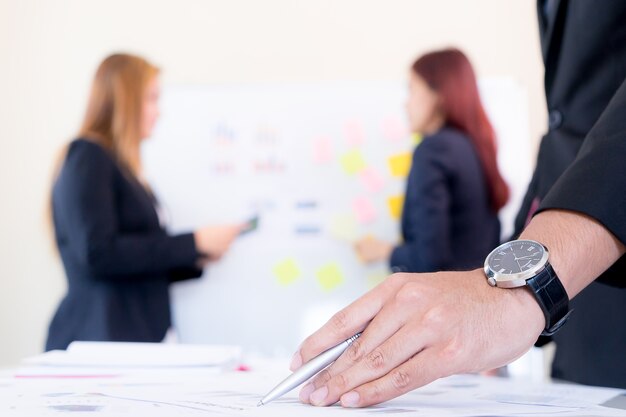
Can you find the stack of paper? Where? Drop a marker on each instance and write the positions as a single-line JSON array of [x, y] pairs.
[[112, 359]]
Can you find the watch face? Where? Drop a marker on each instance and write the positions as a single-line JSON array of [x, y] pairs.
[[515, 261]]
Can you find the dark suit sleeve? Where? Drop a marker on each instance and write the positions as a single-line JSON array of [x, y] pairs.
[[87, 197], [182, 274], [426, 213], [595, 184]]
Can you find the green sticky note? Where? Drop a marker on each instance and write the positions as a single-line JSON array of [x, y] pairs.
[[286, 271], [329, 276], [353, 162]]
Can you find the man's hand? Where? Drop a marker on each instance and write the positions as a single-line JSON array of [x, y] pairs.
[[418, 328]]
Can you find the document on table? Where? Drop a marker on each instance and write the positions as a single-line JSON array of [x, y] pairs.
[[123, 354], [237, 393]]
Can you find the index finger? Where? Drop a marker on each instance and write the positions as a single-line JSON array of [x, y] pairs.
[[347, 322]]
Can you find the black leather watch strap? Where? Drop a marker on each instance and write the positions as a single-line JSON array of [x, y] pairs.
[[552, 299]]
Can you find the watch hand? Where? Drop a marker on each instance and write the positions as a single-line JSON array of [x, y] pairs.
[[527, 256], [527, 262]]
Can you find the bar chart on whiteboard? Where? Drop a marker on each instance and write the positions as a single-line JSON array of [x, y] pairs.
[[317, 166]]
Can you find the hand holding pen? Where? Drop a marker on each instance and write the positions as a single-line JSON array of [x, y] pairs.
[[417, 328], [308, 370]]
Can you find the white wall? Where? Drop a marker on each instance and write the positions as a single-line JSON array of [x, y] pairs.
[[50, 49]]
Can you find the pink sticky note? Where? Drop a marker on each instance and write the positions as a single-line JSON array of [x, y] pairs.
[[355, 135], [394, 129], [364, 210], [371, 179], [322, 150]]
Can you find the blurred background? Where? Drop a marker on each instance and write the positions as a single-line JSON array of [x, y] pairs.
[[50, 50]]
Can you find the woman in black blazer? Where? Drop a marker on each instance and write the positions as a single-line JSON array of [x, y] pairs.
[[454, 189], [118, 258]]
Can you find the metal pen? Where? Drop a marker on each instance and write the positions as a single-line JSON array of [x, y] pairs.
[[307, 370]]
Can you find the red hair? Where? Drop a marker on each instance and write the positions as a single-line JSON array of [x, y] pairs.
[[449, 73]]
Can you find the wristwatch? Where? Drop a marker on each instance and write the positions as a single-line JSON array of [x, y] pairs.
[[521, 263]]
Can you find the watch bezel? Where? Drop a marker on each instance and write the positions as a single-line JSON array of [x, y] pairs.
[[518, 279]]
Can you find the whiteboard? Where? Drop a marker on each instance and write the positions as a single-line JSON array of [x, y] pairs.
[[321, 164]]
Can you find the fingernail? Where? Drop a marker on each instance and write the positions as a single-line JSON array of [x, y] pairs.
[[318, 397], [306, 392], [296, 361], [350, 399]]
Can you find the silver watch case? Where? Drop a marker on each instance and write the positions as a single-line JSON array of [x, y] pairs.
[[496, 279]]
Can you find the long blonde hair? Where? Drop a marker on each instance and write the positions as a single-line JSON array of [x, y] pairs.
[[114, 113], [114, 110]]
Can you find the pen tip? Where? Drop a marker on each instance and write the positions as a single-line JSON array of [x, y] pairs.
[[260, 403]]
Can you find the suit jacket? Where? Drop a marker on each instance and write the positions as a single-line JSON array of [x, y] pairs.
[[584, 50], [118, 260], [447, 221]]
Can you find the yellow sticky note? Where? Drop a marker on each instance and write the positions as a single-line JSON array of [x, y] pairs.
[[374, 279], [343, 227], [400, 164], [286, 271], [329, 276], [395, 204], [353, 162]]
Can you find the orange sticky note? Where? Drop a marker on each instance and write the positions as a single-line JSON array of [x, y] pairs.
[[395, 204], [400, 164]]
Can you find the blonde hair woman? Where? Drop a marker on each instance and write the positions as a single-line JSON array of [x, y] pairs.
[[118, 259]]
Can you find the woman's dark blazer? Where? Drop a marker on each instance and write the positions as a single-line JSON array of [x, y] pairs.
[[118, 259], [447, 220]]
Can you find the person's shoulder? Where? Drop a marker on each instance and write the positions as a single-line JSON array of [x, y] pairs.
[[450, 136], [83, 147], [86, 154], [446, 141]]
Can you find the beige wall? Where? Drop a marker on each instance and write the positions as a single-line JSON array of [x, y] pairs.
[[49, 51]]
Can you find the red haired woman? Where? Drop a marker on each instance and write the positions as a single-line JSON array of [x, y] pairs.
[[454, 188]]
